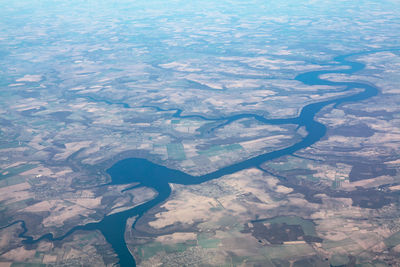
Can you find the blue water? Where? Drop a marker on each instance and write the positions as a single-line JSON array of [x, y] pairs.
[[158, 177]]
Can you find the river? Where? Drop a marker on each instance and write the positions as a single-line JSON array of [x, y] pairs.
[[158, 177]]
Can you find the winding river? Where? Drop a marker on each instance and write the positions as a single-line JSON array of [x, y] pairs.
[[158, 177]]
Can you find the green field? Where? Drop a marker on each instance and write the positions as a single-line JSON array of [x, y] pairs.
[[176, 151], [16, 170], [307, 226]]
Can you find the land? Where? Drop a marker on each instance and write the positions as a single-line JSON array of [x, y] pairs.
[[78, 95]]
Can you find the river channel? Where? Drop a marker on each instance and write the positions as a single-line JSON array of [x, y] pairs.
[[157, 177]]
